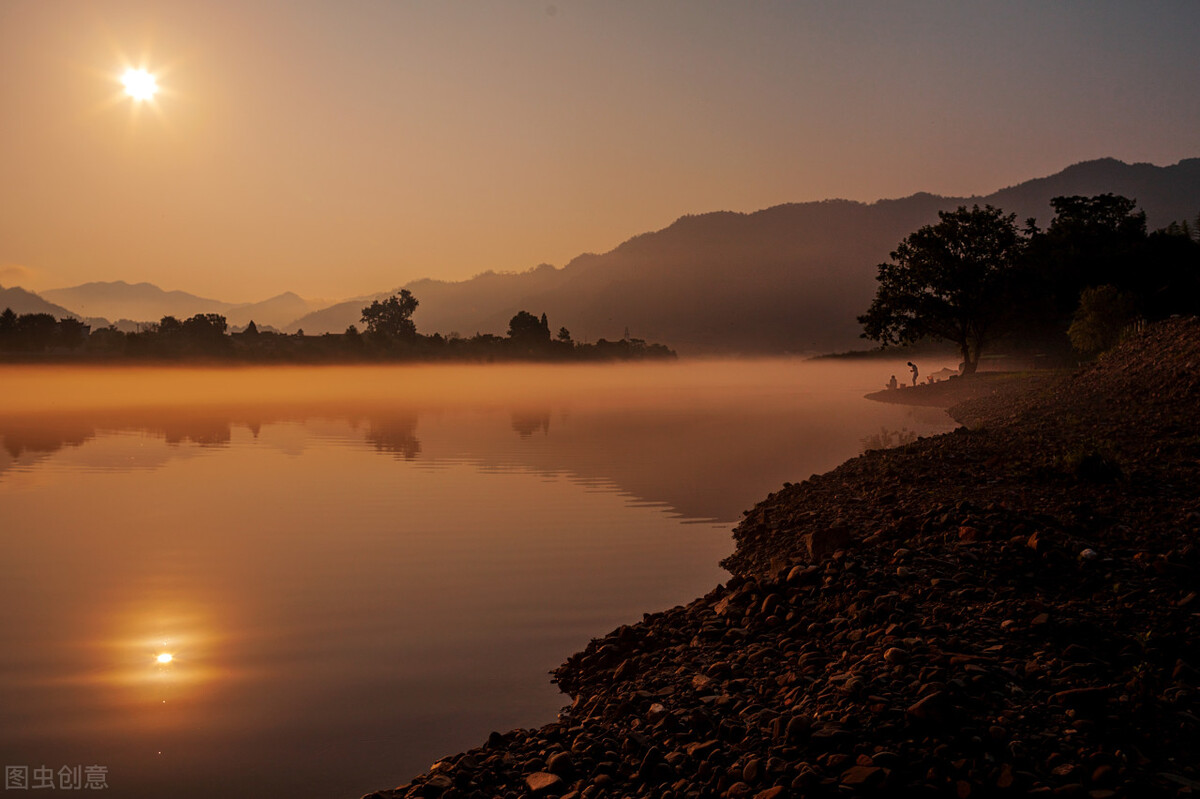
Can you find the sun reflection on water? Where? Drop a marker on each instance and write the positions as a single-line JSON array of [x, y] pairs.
[[135, 667]]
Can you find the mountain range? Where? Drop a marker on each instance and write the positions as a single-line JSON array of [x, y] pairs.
[[788, 278], [791, 278], [147, 302], [26, 302]]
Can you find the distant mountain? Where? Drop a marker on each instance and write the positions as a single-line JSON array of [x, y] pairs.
[[138, 301], [148, 303], [443, 303], [1166, 193], [788, 278], [124, 325], [275, 312], [337, 317], [23, 302]]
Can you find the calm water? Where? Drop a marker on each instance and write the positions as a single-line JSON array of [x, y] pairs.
[[359, 570]]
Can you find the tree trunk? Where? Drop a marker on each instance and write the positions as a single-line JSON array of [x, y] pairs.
[[969, 364]]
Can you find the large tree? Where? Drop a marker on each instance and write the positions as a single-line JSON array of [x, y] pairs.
[[392, 317], [528, 329], [948, 282]]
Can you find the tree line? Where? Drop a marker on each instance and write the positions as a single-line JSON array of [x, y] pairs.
[[388, 333], [978, 279]]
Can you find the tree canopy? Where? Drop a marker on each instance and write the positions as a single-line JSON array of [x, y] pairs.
[[947, 282], [392, 317], [1092, 218], [527, 328], [1102, 314]]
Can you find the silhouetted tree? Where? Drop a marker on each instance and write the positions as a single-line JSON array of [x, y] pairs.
[[1102, 241], [107, 339], [564, 335], [352, 341], [528, 329], [947, 282], [205, 326], [71, 333], [251, 329], [8, 329], [1103, 313], [1092, 218], [36, 332], [393, 317], [1091, 241]]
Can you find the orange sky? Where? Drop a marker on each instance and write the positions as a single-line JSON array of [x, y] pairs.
[[335, 149]]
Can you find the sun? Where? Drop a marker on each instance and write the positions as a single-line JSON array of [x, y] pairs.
[[165, 657], [139, 84]]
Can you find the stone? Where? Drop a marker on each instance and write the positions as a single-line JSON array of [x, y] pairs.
[[542, 781], [821, 544], [560, 764], [771, 793], [928, 708], [1103, 775], [437, 785], [1081, 697], [798, 728], [653, 758], [863, 776]]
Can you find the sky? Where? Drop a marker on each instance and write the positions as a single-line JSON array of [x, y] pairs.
[[337, 149]]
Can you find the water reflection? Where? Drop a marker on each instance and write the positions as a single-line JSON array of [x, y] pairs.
[[526, 423], [889, 439], [706, 460], [395, 434]]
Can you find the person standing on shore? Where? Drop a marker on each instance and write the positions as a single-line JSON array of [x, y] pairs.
[[913, 366]]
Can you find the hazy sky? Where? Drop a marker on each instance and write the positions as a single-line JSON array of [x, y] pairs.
[[339, 148]]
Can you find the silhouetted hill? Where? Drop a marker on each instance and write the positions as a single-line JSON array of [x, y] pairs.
[[335, 318], [788, 278], [23, 302], [276, 311], [445, 305], [139, 301], [781, 279], [149, 303], [1166, 193]]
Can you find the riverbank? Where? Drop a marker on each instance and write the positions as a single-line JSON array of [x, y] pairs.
[[1009, 609], [948, 393]]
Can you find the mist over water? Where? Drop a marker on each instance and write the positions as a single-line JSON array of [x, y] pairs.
[[357, 570]]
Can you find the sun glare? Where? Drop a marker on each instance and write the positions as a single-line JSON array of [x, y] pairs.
[[165, 657], [139, 84]]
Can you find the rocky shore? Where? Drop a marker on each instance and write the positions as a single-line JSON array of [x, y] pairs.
[[948, 393], [1006, 610]]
